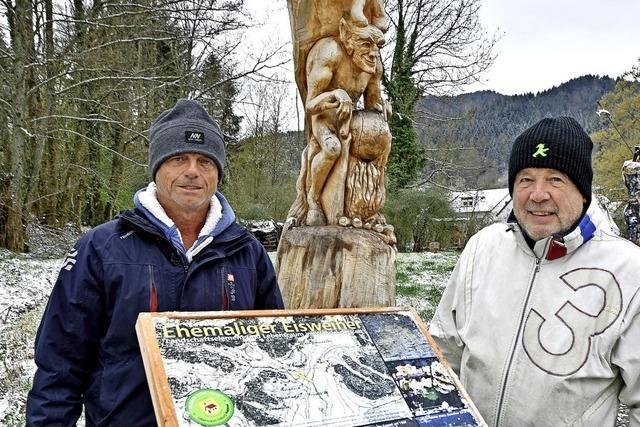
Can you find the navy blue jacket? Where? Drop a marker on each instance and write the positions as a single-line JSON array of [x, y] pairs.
[[86, 348]]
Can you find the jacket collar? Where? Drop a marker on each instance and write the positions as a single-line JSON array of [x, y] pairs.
[[559, 245], [229, 241]]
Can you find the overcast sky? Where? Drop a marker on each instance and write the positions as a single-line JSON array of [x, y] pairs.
[[544, 43], [547, 42]]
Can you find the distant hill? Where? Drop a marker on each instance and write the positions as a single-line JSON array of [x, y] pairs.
[[484, 124]]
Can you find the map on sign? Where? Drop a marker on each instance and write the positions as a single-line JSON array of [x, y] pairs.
[[352, 369]]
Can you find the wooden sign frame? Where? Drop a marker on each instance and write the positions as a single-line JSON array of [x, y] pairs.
[[159, 331]]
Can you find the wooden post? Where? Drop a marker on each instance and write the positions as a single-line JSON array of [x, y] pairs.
[[333, 266]]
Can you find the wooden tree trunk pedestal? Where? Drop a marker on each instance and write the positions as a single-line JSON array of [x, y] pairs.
[[334, 266]]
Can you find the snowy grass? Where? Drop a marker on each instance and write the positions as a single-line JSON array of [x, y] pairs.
[[421, 279], [16, 372], [25, 284]]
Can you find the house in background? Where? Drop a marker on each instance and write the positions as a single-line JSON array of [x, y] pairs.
[[486, 206], [475, 209]]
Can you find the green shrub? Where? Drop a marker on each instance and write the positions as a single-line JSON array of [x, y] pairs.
[[418, 218]]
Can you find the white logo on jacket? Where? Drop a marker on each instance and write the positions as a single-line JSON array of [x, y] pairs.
[[70, 260], [582, 325]]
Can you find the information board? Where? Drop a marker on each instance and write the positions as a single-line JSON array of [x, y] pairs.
[[333, 367]]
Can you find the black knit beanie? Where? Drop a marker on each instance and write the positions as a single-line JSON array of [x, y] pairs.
[[186, 128], [557, 143]]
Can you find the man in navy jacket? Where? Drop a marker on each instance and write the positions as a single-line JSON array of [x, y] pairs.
[[178, 249]]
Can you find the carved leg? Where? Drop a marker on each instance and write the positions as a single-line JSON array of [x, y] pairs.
[[298, 210], [321, 166], [357, 13], [378, 17]]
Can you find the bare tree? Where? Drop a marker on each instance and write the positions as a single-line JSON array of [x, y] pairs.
[[441, 44], [437, 46], [262, 169], [80, 84], [18, 80]]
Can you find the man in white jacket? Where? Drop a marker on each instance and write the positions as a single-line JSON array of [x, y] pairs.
[[540, 318]]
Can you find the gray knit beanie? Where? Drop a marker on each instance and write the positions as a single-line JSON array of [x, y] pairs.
[[557, 143], [186, 128]]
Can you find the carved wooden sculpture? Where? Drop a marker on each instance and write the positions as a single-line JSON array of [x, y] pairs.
[[342, 173], [341, 182]]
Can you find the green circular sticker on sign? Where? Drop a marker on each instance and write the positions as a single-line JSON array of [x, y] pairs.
[[430, 394], [209, 407]]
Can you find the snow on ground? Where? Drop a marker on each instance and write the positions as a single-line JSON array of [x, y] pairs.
[[421, 279], [25, 284]]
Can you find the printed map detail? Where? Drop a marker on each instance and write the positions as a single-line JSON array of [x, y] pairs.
[[338, 370]]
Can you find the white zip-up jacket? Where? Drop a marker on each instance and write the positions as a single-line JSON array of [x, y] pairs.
[[549, 336]]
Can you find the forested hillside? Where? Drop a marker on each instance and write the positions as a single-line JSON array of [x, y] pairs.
[[467, 138], [466, 141]]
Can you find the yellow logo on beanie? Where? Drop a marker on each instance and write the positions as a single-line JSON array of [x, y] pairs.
[[541, 151]]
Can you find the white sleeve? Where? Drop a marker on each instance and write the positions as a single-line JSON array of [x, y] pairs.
[[626, 356], [451, 313]]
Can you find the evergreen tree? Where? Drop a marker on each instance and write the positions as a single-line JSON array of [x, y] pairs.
[[615, 143]]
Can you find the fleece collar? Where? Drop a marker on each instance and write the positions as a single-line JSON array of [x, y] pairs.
[[219, 217]]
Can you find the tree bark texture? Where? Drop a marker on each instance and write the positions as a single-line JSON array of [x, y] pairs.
[[22, 44], [333, 266]]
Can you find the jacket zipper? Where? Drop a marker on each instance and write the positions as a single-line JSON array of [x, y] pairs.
[[153, 292], [180, 288], [225, 297], [505, 377]]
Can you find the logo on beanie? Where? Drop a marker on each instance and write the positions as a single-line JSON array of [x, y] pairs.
[[191, 137], [541, 151]]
